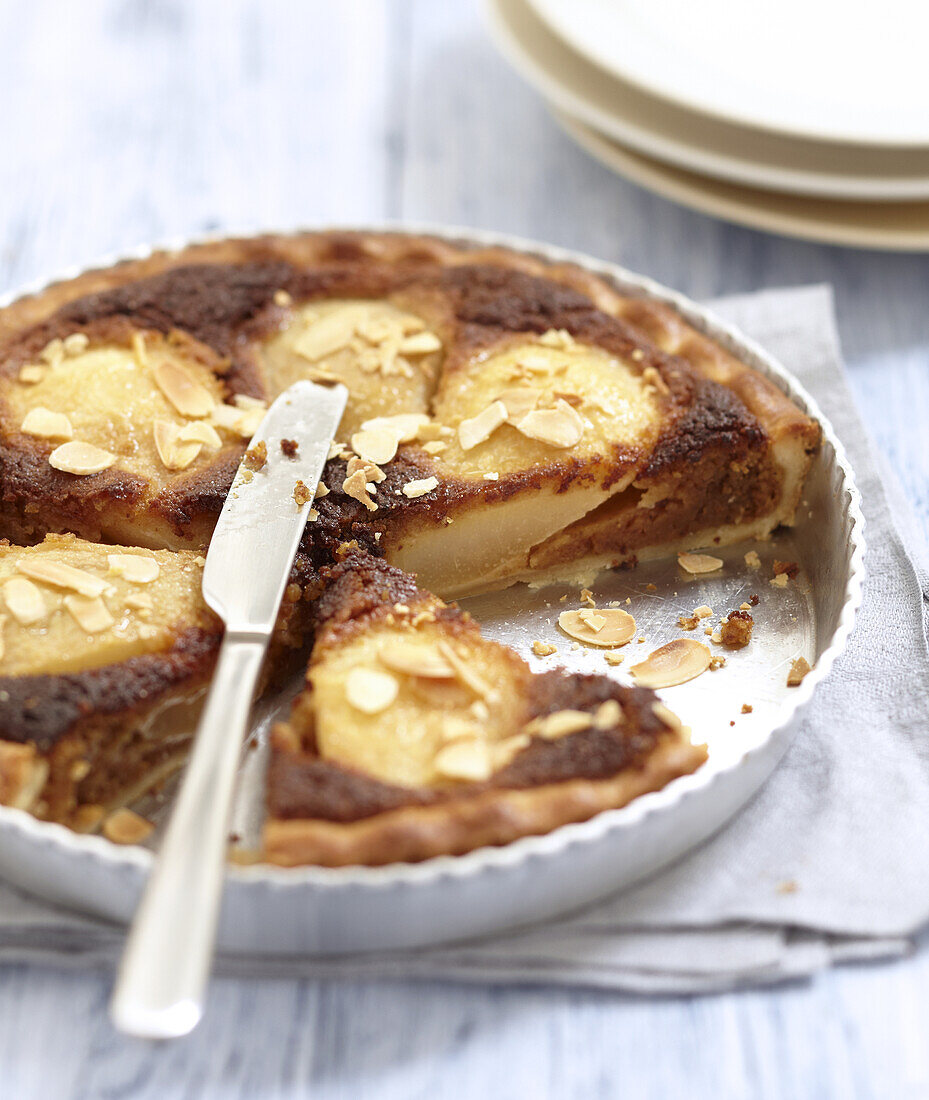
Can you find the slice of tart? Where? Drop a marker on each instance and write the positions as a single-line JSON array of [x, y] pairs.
[[416, 737]]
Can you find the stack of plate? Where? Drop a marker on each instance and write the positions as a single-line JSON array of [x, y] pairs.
[[808, 118]]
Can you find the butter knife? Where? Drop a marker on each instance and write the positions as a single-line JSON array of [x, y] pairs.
[[166, 961]]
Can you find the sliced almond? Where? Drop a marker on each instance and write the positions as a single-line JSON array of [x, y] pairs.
[[419, 488], [560, 724], [475, 430], [31, 374], [610, 627], [370, 690], [80, 458], [59, 575], [557, 338], [416, 660], [798, 670], [46, 424], [137, 568], [405, 426], [467, 675], [699, 563], [53, 352], [174, 454], [673, 663], [560, 426], [126, 827], [76, 343], [519, 401], [435, 447], [378, 445], [420, 343], [467, 759], [24, 601], [608, 715], [185, 394], [325, 336], [90, 613], [138, 349], [666, 715], [200, 432], [140, 601], [502, 752], [356, 486]]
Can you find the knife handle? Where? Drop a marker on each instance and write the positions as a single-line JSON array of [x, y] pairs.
[[165, 966]]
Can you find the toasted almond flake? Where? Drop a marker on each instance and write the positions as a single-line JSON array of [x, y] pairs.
[[282, 298], [186, 395], [593, 619], [587, 597], [61, 576], [80, 458], [420, 488], [124, 826], [416, 660], [435, 447], [322, 490], [371, 471], [325, 336], [24, 601], [312, 515], [467, 675], [431, 431], [673, 663], [200, 432], [543, 649], [173, 454], [356, 486], [561, 426], [608, 715], [466, 759], [703, 612], [491, 476], [780, 581], [89, 612], [31, 373], [370, 690], [137, 568], [46, 424], [421, 343], [519, 401], [475, 430], [503, 752], [560, 724], [699, 563], [405, 426], [53, 352], [140, 601], [616, 629], [226, 416], [752, 560], [138, 349], [76, 343], [798, 669], [378, 445], [246, 402], [666, 715]]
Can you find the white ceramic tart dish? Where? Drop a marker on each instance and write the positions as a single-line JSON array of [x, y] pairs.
[[744, 712]]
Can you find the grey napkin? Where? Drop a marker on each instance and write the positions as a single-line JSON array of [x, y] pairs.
[[828, 863]]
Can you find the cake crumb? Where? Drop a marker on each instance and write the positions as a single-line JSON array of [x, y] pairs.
[[736, 629], [613, 659], [543, 649], [753, 600], [747, 708], [290, 447], [256, 456], [651, 588], [752, 560], [779, 580], [789, 567], [302, 494], [798, 669], [788, 886]]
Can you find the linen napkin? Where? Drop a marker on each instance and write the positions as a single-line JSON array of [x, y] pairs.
[[827, 864]]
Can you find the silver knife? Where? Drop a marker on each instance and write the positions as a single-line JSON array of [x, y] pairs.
[[166, 962]]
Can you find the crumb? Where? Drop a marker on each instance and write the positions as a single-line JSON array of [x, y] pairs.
[[628, 600], [745, 607], [753, 600], [651, 588], [257, 456], [588, 597], [736, 629], [613, 659], [798, 669], [716, 637], [779, 580], [543, 649], [788, 886], [561, 599], [752, 560], [708, 630], [641, 638], [747, 708], [687, 622], [731, 721], [290, 447], [789, 567], [302, 494], [717, 662]]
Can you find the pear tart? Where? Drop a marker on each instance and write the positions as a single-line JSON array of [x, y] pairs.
[[416, 737], [508, 420]]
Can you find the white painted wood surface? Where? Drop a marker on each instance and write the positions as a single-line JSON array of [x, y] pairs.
[[132, 120]]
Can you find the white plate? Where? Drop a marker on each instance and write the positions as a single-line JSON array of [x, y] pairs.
[[900, 227], [823, 69], [329, 911], [680, 137]]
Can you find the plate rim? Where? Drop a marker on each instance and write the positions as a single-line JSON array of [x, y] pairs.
[[121, 860], [621, 125], [545, 10]]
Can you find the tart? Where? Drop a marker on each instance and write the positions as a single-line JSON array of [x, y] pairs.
[[509, 420], [416, 737]]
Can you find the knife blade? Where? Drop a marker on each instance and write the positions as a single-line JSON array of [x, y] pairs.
[[166, 961]]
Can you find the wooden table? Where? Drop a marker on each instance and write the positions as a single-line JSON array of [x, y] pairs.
[[132, 120]]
